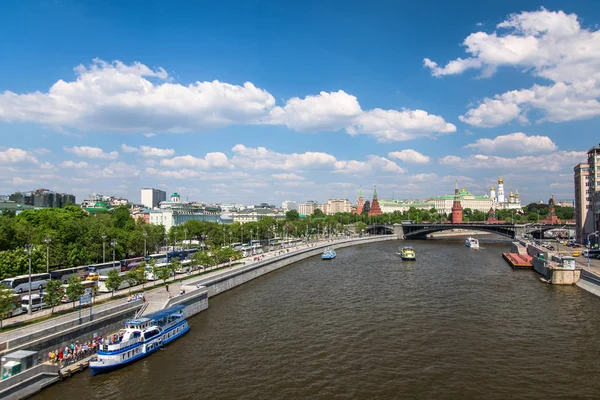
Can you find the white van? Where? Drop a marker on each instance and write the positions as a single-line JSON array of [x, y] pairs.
[[37, 302]]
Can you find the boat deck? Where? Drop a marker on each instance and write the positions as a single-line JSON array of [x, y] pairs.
[[518, 261]]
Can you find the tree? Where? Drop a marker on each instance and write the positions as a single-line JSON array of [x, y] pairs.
[[113, 281], [131, 278], [53, 294], [360, 227], [141, 276], [75, 289], [174, 265], [317, 213], [6, 304], [292, 215], [163, 274]]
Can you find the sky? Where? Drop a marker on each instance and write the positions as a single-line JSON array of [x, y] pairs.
[[249, 102]]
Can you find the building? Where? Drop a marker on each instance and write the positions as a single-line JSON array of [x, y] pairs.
[[335, 206], [288, 205], [584, 217], [594, 181], [374, 209], [11, 206], [502, 202], [360, 203], [43, 198], [390, 206], [151, 198], [308, 208], [111, 201], [457, 209], [443, 204], [256, 214]]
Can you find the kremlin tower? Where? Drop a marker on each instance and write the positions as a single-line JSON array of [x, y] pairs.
[[500, 190], [375, 210], [457, 207], [360, 203]]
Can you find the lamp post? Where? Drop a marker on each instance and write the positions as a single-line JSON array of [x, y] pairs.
[[230, 235], [29, 248], [224, 239], [145, 235], [103, 247], [588, 254], [242, 235], [184, 238], [47, 240], [113, 243]]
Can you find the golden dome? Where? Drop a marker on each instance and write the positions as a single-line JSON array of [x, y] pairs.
[[500, 181], [493, 188], [511, 194]]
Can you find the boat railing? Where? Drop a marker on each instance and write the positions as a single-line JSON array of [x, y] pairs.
[[120, 345]]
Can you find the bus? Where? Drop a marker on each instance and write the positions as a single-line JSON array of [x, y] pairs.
[[14, 308], [87, 285], [64, 274], [102, 283], [20, 283], [104, 268], [159, 257], [593, 253], [128, 264], [185, 266], [177, 253], [37, 302], [150, 273]]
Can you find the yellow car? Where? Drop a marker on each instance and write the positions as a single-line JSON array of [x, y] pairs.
[[576, 254], [93, 276]]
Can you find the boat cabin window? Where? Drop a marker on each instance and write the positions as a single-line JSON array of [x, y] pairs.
[[151, 333]]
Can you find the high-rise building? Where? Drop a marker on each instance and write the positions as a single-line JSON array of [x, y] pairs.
[[151, 198], [43, 198], [584, 221], [288, 205], [307, 208], [594, 180]]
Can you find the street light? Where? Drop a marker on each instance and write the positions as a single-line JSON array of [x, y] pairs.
[[588, 253], [242, 237], [145, 235], [103, 247], [113, 243], [185, 237], [29, 248], [47, 240]]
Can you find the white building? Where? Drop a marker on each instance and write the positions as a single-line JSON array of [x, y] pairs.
[[256, 214], [151, 198], [308, 208], [335, 206], [501, 202], [288, 205]]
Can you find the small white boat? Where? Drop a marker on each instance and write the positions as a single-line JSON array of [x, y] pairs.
[[328, 254], [472, 243]]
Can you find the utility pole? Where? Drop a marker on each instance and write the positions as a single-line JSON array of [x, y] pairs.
[[29, 248], [103, 248], [47, 240]]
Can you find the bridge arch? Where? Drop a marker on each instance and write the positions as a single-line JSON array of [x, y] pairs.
[[422, 231], [380, 230]]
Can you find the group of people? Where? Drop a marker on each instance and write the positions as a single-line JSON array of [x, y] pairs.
[[138, 296], [74, 352]]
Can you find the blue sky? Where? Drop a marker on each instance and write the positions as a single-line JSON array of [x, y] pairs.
[[247, 102]]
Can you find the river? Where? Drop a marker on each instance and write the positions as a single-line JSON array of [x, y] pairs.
[[457, 323]]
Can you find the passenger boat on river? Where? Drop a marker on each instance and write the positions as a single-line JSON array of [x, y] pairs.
[[140, 338]]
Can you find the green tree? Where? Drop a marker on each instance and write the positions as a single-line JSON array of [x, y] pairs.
[[292, 215], [113, 281], [75, 289], [6, 304], [174, 265], [53, 294], [360, 227], [318, 213], [163, 274], [141, 276], [131, 277]]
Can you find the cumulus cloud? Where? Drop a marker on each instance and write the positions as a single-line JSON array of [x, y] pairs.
[[147, 151], [92, 152], [262, 158], [373, 163], [547, 44], [409, 156], [288, 177], [548, 162], [392, 125], [73, 164], [15, 156], [211, 160], [118, 170], [135, 98], [517, 142]]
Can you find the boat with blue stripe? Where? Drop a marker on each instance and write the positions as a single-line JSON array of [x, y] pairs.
[[140, 338], [328, 254]]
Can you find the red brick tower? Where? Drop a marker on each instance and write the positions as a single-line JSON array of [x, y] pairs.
[[360, 203], [457, 209], [375, 210]]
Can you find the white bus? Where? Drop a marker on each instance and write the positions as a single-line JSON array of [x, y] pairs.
[[87, 285], [105, 268], [185, 266], [102, 283], [37, 302], [151, 275], [65, 273], [20, 283], [14, 308]]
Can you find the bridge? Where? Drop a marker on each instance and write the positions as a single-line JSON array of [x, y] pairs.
[[422, 230]]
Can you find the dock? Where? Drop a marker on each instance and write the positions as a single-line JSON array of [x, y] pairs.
[[518, 261]]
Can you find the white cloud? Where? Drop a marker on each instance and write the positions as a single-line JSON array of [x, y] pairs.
[[147, 151], [409, 156], [392, 125], [41, 151], [195, 174], [373, 163], [547, 44], [262, 158], [211, 160], [288, 177], [15, 156], [547, 162], [92, 152], [118, 170], [517, 142], [73, 164], [323, 112]]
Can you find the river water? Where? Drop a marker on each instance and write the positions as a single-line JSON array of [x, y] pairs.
[[456, 323]]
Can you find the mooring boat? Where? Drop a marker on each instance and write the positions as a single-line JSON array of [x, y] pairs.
[[408, 253], [328, 254], [140, 338], [472, 243]]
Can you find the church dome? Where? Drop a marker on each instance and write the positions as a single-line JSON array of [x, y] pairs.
[[511, 194], [500, 181]]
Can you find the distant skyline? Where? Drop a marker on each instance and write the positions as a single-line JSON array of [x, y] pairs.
[[264, 102]]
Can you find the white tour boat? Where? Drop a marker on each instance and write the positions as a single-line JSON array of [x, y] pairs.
[[140, 338], [472, 243]]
